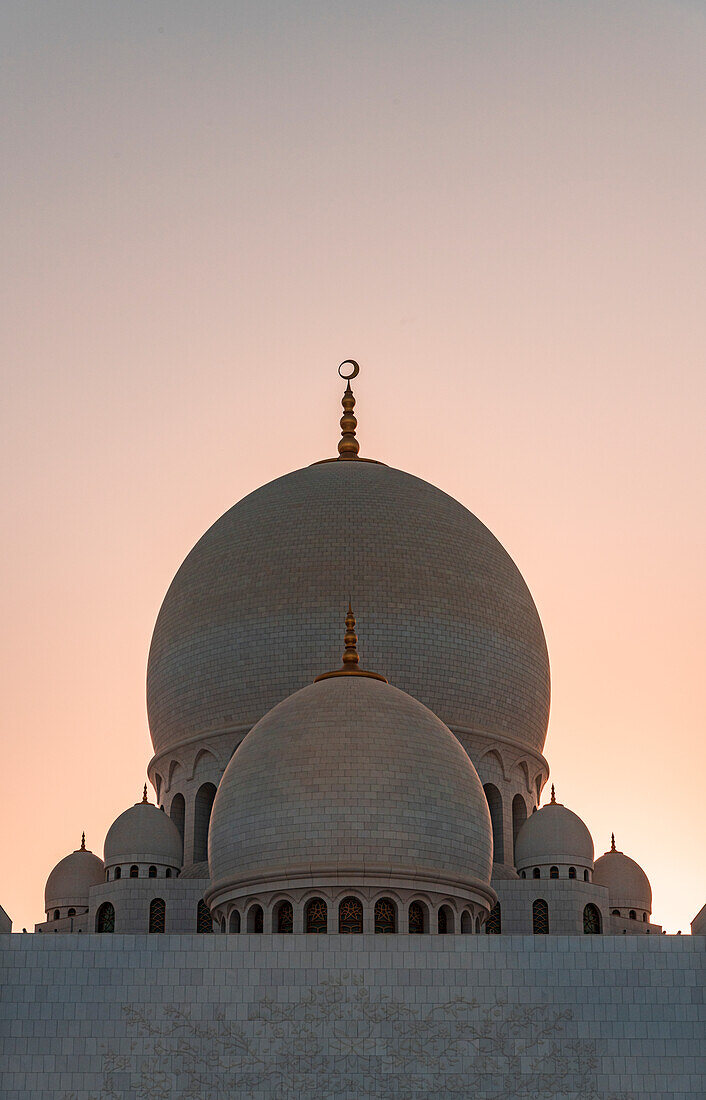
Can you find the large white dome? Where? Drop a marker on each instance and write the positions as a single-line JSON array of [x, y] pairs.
[[448, 617], [350, 781]]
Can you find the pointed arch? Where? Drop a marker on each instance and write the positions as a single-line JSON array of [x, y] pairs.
[[203, 804], [494, 754], [495, 805]]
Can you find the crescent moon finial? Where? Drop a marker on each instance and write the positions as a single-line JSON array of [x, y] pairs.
[[348, 445], [348, 375]]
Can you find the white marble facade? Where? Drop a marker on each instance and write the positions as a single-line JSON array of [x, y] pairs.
[[407, 1017]]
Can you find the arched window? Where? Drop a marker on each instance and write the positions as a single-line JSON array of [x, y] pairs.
[[535, 872], [466, 923], [177, 812], [445, 920], [134, 871], [223, 924], [203, 805], [477, 924], [523, 874], [631, 914], [417, 918], [234, 921], [168, 872], [519, 816], [57, 914], [585, 876], [495, 805], [572, 872], [644, 917], [107, 874], [71, 913], [204, 921], [256, 919], [350, 915], [285, 917], [105, 918], [152, 873], [118, 872], [316, 915], [493, 925], [158, 915], [385, 915], [554, 872], [615, 912], [591, 920], [540, 917]]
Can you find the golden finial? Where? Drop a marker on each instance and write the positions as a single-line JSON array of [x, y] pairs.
[[612, 842], [552, 801], [144, 793], [351, 660], [348, 445], [83, 842]]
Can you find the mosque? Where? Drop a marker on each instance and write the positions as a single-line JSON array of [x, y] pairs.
[[395, 793]]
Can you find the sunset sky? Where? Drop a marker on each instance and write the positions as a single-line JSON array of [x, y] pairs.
[[498, 209]]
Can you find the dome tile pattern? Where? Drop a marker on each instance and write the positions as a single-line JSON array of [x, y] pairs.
[[253, 613], [351, 774]]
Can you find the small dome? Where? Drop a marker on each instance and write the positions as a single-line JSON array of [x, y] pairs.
[[72, 878], [350, 781], [143, 834], [627, 884], [553, 835]]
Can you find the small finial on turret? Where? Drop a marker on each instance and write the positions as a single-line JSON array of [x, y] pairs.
[[348, 445], [144, 793], [351, 660], [83, 842], [612, 842], [553, 798]]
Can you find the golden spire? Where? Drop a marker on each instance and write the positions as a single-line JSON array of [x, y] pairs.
[[348, 445], [612, 842], [144, 793], [83, 843], [351, 660], [552, 801]]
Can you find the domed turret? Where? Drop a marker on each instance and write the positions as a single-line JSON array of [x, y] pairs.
[[628, 886], [555, 841], [350, 784], [142, 836], [68, 884]]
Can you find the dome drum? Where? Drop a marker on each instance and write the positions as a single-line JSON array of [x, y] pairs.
[[235, 916], [336, 880]]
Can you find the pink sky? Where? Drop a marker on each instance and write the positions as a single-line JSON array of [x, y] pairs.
[[498, 209]]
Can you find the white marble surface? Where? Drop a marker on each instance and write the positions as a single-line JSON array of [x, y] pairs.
[[570, 1017]]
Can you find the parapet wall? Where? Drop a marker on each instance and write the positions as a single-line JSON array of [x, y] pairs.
[[404, 1017]]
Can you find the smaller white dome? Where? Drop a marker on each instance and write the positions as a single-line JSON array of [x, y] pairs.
[[143, 834], [72, 878], [627, 884], [551, 836]]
